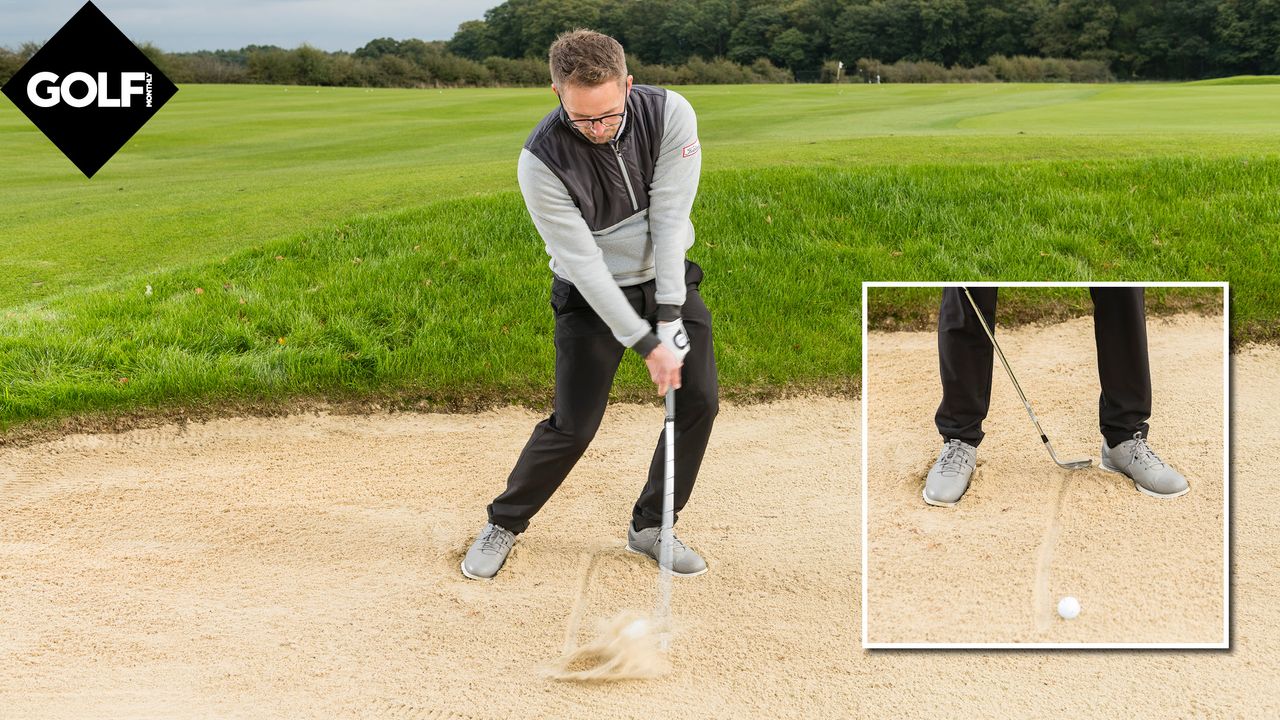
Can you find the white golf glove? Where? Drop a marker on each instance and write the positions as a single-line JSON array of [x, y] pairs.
[[673, 335]]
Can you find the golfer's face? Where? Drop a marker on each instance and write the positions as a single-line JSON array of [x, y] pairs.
[[596, 112]]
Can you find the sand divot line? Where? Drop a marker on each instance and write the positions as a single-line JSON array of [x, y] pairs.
[[586, 565], [1042, 610], [624, 647]]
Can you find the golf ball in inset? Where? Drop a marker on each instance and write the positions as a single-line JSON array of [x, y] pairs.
[[1068, 608], [636, 628]]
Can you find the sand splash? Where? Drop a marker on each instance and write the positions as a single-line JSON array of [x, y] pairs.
[[626, 647]]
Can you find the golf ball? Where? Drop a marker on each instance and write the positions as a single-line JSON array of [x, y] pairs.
[[1068, 608], [636, 628]]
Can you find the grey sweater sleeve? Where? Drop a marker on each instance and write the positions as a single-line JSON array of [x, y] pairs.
[[675, 184], [570, 242]]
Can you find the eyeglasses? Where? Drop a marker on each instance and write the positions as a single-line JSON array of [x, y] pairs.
[[608, 122]]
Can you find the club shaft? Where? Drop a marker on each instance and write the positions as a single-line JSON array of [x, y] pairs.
[[666, 551], [1004, 362]]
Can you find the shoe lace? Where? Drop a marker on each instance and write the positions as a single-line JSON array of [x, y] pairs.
[[677, 545], [952, 456], [1142, 452], [495, 538]]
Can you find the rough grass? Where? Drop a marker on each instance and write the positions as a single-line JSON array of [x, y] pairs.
[[448, 303]]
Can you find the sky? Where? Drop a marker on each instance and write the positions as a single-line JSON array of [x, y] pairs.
[[176, 26]]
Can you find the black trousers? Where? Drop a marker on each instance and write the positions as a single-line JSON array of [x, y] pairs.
[[965, 359], [587, 358]]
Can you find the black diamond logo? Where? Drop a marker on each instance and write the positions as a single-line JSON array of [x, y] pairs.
[[89, 89]]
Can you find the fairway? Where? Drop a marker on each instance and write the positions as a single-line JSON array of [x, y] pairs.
[[224, 168], [317, 242]]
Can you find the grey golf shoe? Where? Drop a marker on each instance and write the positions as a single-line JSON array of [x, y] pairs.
[[1151, 475], [488, 552], [949, 477], [685, 561]]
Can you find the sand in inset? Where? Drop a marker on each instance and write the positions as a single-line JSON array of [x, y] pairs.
[[992, 569]]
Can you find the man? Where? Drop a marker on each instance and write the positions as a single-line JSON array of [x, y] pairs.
[[965, 358], [609, 178]]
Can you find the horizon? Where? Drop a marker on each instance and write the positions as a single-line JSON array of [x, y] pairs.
[[174, 27]]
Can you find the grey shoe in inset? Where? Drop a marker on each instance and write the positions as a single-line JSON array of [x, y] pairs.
[[685, 562], [1151, 475], [949, 477], [488, 552]]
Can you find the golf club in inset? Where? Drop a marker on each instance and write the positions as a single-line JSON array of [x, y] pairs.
[[1075, 464]]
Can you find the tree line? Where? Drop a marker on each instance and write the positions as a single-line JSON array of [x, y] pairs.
[[1137, 39], [742, 41], [385, 62]]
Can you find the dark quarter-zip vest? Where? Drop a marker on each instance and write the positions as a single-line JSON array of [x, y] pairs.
[[609, 182]]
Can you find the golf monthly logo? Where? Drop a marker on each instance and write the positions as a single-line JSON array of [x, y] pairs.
[[45, 91], [89, 89]]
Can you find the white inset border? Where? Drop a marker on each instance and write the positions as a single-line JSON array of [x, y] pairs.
[[1226, 479]]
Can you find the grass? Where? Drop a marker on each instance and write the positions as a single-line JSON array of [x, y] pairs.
[[1240, 80], [916, 308], [226, 167], [348, 244]]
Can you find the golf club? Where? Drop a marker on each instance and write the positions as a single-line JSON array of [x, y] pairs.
[[666, 553], [1075, 464]]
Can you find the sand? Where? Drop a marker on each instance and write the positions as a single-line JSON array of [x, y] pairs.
[[307, 567], [1027, 533]]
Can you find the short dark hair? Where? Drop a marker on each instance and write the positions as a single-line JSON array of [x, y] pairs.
[[586, 58]]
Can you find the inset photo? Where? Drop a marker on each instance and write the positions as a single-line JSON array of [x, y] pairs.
[[1045, 465]]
